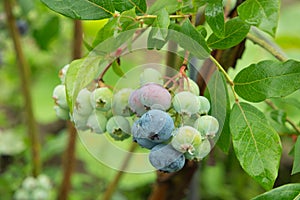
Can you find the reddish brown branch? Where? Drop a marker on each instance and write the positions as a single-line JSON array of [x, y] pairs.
[[69, 155], [24, 71]]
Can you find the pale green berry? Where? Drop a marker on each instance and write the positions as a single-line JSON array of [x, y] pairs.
[[204, 105], [188, 85], [83, 102], [44, 181], [97, 122], [29, 183], [101, 98], [203, 150], [207, 125], [61, 113], [80, 121], [186, 103], [186, 139], [120, 104], [59, 96], [63, 73], [40, 194], [22, 194], [150, 75], [118, 127]]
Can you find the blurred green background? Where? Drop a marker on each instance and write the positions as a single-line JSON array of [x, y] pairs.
[[46, 41]]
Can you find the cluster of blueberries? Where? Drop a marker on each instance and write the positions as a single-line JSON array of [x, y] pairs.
[[168, 118], [34, 188]]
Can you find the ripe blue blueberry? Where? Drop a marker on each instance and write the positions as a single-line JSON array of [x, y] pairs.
[[154, 125], [165, 158]]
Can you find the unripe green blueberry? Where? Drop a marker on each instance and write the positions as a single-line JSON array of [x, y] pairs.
[[80, 121], [150, 75], [63, 73], [29, 183], [22, 194], [186, 139], [97, 122], [188, 85], [118, 127], [59, 96], [203, 150], [186, 103], [207, 125], [204, 105], [61, 113], [40, 194], [189, 120], [83, 102], [101, 99], [120, 104], [44, 181]]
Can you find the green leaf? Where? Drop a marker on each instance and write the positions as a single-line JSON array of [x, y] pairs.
[[98, 59], [162, 24], [188, 29], [191, 6], [235, 31], [261, 13], [45, 34], [127, 20], [288, 191], [296, 164], [279, 116], [71, 76], [214, 15], [220, 107], [171, 6], [256, 144], [123, 5], [91, 10], [268, 79], [117, 68], [153, 42], [106, 31]]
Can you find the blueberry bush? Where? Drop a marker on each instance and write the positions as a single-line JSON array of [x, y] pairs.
[[178, 99]]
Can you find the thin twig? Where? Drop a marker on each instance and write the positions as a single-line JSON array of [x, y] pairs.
[[113, 185], [24, 71], [267, 46], [287, 119]]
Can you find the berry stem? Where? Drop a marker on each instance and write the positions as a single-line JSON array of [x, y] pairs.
[[24, 71], [229, 80], [155, 16]]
